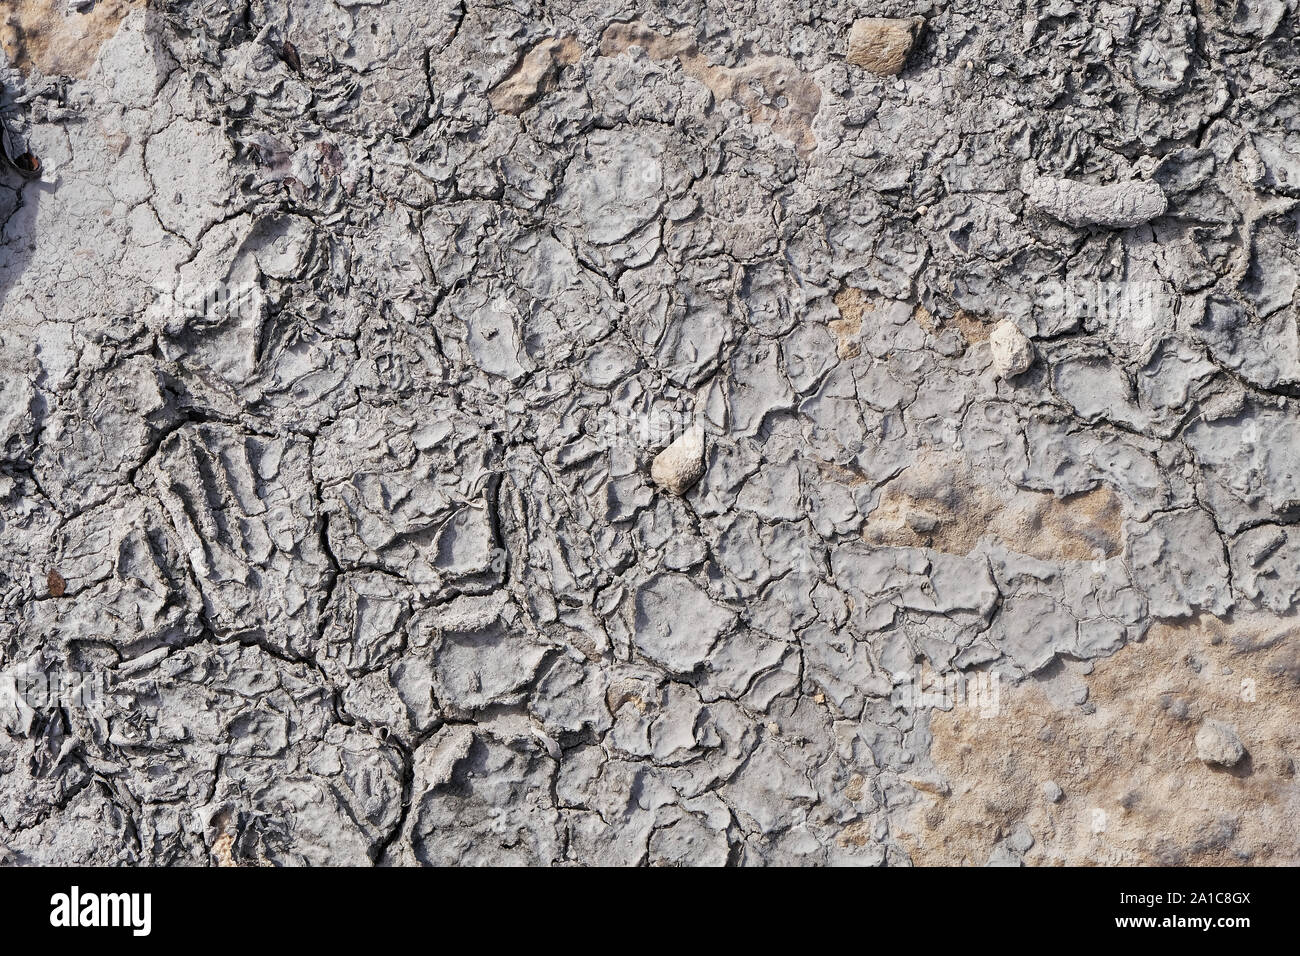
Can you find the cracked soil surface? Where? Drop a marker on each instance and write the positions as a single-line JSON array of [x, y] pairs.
[[703, 432]]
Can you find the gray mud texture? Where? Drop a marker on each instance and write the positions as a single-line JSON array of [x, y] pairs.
[[715, 432]]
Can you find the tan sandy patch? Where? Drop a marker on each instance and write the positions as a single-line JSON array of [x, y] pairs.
[[1134, 791], [938, 503], [46, 35], [971, 327], [758, 85], [536, 73], [847, 329]]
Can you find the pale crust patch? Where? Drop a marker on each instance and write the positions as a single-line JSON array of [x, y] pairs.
[[1134, 791], [757, 85], [939, 503], [847, 329], [46, 35], [535, 74]]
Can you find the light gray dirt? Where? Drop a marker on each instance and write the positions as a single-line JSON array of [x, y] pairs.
[[338, 339]]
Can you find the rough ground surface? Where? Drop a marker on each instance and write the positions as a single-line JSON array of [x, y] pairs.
[[338, 339]]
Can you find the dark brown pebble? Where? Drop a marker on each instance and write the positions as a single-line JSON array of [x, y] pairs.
[[290, 54]]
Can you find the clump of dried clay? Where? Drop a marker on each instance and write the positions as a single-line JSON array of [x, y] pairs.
[[1012, 351], [1117, 206], [680, 465], [1217, 743], [881, 45]]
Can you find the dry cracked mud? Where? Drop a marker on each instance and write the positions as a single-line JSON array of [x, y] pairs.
[[729, 433]]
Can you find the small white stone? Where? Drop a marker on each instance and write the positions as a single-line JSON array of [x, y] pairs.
[[1052, 791], [680, 465], [1013, 353], [1217, 743]]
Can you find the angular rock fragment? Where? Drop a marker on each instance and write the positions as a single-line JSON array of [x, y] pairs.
[[880, 45], [1012, 351], [680, 465], [1217, 744]]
